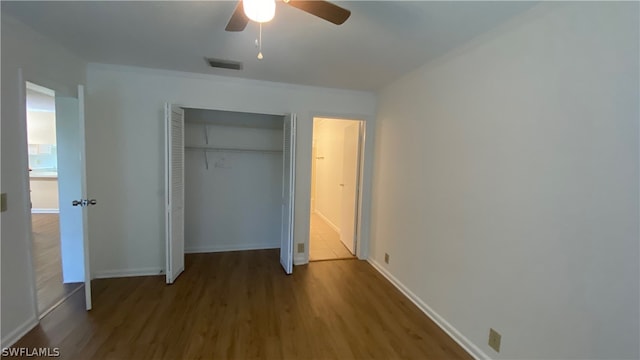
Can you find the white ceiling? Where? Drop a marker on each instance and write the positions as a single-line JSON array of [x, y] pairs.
[[381, 41]]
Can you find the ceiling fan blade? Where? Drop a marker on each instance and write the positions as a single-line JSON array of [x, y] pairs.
[[238, 19], [322, 9]]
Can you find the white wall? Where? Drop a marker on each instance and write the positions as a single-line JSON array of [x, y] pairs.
[[125, 150], [46, 64], [506, 184], [44, 194], [235, 203], [329, 137], [233, 137], [329, 140], [41, 127]]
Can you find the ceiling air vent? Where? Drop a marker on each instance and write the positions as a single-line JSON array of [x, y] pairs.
[[224, 64]]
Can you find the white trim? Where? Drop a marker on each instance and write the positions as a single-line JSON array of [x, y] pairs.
[[107, 274], [19, 332], [465, 343], [45, 211], [300, 259], [362, 241], [326, 219], [230, 247], [64, 298], [22, 83]]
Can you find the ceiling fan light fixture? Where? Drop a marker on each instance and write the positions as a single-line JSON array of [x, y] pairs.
[[259, 10]]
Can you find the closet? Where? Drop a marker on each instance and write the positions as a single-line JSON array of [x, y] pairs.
[[233, 180], [229, 183]]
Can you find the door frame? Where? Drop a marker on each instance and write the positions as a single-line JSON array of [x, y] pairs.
[[361, 233], [24, 159], [184, 105], [359, 155]]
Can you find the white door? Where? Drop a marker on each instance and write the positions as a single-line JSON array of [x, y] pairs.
[[349, 186], [288, 192], [174, 191], [87, 202], [72, 191]]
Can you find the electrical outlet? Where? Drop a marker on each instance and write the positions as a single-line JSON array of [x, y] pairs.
[[494, 340], [386, 258], [300, 248], [3, 202]]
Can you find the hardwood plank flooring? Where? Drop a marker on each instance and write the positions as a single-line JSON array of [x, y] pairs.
[[47, 262], [324, 242], [241, 305]]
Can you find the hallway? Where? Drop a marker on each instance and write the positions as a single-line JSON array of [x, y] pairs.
[[324, 242]]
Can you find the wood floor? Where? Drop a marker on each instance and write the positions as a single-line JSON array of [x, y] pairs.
[[324, 242], [47, 263], [241, 305]]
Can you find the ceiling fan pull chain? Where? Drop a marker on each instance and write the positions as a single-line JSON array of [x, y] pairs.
[[260, 43]]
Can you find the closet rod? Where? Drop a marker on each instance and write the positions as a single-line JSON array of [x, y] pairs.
[[206, 134], [206, 148]]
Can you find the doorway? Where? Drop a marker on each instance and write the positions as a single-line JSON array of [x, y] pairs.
[[229, 183], [57, 247], [335, 165]]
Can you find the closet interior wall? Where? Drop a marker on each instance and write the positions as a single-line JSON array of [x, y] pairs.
[[233, 180]]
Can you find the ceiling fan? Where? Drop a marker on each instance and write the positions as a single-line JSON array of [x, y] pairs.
[[264, 10]]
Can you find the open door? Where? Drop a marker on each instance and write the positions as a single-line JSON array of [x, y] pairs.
[[86, 201], [288, 191], [350, 170], [72, 190], [174, 191]]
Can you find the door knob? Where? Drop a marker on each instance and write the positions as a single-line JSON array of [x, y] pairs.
[[84, 202]]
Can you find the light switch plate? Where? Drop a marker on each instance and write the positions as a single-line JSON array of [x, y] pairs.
[[3, 202]]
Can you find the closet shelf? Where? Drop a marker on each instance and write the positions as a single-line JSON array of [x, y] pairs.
[[227, 149]]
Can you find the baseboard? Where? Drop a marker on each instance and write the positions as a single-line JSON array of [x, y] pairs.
[[332, 225], [45, 211], [107, 274], [230, 247], [465, 343], [64, 298], [299, 259], [19, 332]]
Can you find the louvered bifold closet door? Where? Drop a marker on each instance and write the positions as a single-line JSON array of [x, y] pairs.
[[174, 119], [288, 192]]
